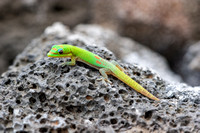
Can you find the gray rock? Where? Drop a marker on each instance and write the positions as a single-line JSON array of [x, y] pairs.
[[38, 96]]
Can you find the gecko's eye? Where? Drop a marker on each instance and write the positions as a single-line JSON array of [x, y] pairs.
[[60, 51]]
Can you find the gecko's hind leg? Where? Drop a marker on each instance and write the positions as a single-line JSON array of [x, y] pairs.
[[117, 65], [104, 72]]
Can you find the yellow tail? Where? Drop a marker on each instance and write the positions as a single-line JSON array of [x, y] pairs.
[[133, 84]]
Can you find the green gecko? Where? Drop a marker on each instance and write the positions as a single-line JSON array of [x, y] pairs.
[[105, 67]]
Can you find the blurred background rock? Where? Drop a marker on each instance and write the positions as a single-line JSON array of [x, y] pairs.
[[170, 28]]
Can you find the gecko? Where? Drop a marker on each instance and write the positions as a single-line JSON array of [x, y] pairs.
[[104, 66]]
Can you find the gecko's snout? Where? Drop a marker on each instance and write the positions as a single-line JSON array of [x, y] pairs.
[[49, 54]]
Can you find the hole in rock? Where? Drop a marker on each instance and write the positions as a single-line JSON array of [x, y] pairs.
[[104, 116], [42, 97], [148, 114], [136, 73], [91, 87], [112, 114], [43, 121], [43, 130], [89, 97], [106, 98], [39, 110], [32, 100], [67, 84], [116, 96], [32, 66], [73, 126], [105, 123], [122, 122], [125, 115], [172, 123], [59, 87], [38, 116], [185, 121], [34, 86], [7, 82], [134, 118], [113, 121], [91, 119], [158, 118], [10, 109], [65, 98], [18, 101], [150, 76], [42, 63], [122, 91], [77, 109], [131, 102]]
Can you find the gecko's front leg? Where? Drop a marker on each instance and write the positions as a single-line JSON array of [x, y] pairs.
[[69, 63]]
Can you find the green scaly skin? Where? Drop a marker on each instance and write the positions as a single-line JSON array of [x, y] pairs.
[[105, 67]]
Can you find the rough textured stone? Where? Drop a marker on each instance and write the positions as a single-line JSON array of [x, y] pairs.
[[38, 96]]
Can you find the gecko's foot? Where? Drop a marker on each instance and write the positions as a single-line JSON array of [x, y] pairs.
[[62, 64], [108, 81], [104, 81]]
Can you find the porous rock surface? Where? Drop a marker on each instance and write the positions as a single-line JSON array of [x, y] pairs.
[[36, 95]]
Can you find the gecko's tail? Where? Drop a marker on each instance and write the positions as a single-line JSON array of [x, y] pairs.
[[133, 84]]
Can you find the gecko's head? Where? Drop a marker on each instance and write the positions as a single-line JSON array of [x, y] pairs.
[[59, 51]]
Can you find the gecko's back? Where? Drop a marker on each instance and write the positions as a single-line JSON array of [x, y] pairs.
[[90, 58]]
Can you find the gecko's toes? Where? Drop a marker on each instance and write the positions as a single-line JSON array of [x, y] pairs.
[[108, 81], [100, 79], [62, 64], [104, 81]]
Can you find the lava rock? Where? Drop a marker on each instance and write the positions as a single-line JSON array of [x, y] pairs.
[[36, 95]]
